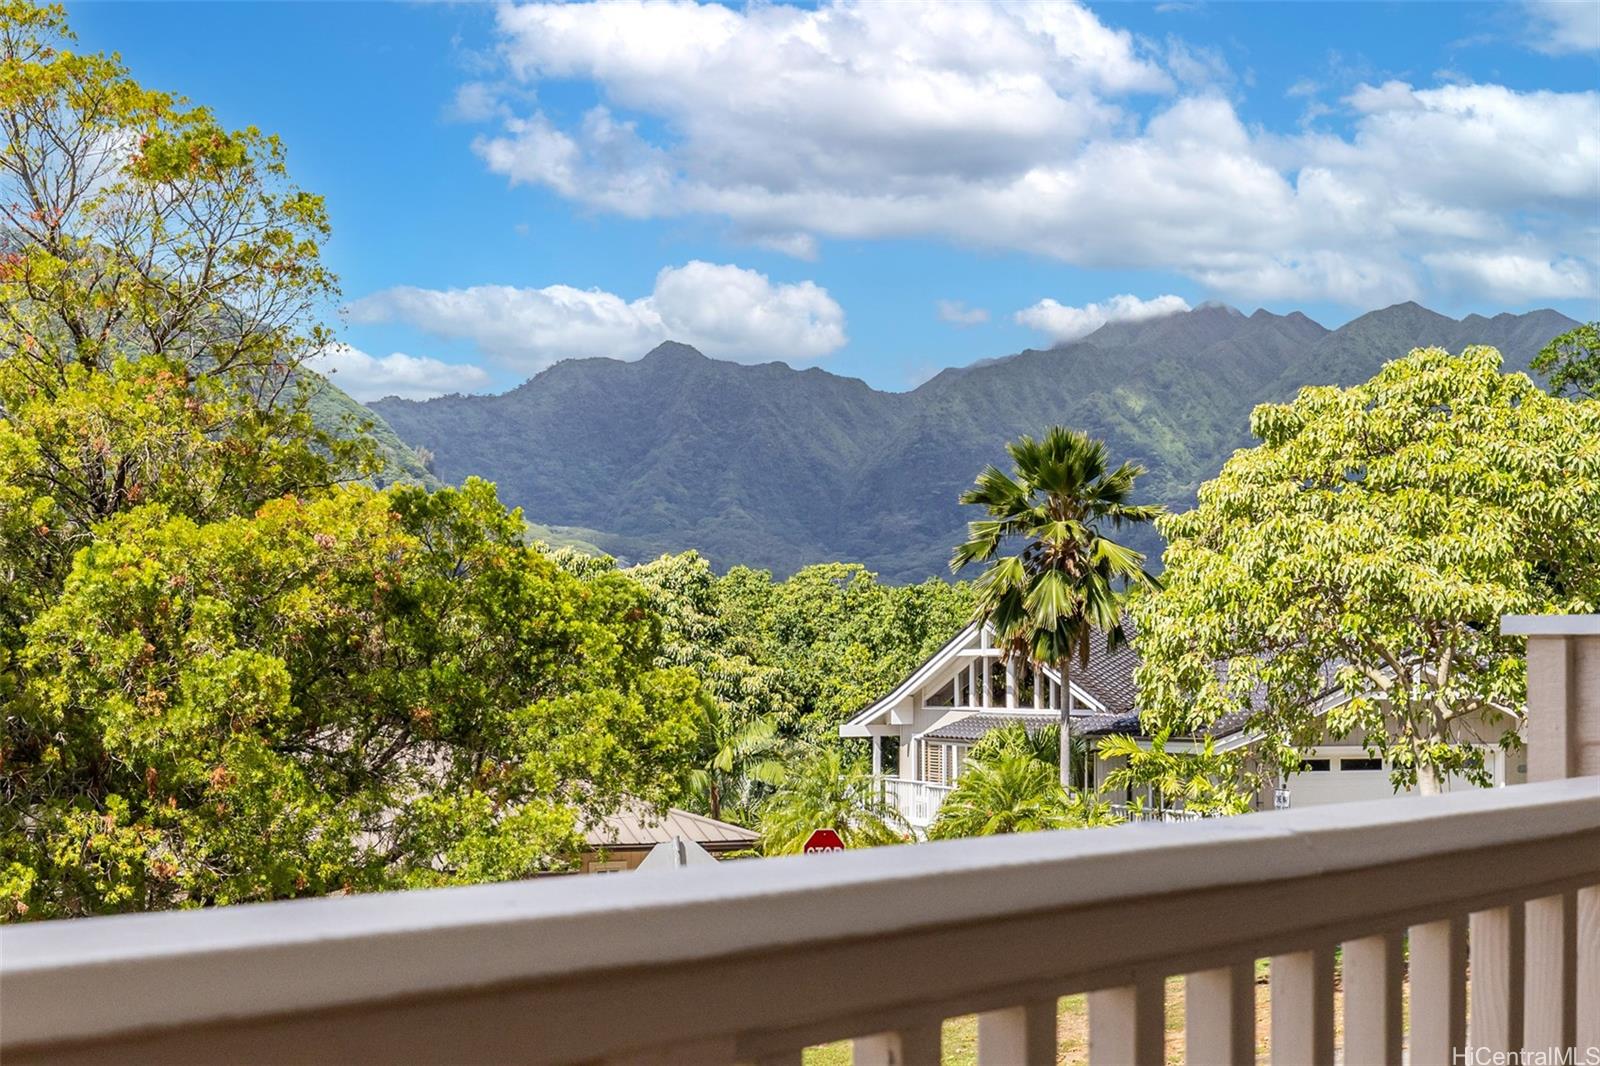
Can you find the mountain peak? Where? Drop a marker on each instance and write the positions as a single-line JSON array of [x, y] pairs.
[[674, 350]]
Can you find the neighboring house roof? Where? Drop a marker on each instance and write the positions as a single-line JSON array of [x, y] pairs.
[[920, 674], [1108, 677], [1097, 682], [1105, 683], [974, 727], [643, 828]]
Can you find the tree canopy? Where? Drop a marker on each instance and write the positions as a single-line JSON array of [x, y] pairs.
[[365, 690], [1572, 362], [1366, 549], [226, 673]]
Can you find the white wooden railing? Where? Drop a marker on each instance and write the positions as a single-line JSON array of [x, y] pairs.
[[917, 801], [750, 962], [1135, 813]]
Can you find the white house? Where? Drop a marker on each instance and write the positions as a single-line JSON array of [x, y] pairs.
[[967, 688]]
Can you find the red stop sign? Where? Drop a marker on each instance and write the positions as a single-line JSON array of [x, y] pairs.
[[823, 840]]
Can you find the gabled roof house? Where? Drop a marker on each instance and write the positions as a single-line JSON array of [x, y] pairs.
[[929, 722]]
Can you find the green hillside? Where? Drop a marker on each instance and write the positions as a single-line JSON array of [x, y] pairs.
[[778, 468], [334, 411]]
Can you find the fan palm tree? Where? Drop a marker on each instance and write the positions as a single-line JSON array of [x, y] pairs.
[[824, 793], [740, 754], [1065, 578]]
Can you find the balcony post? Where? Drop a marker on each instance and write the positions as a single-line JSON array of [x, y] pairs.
[[1563, 723], [1302, 1007], [1373, 1025], [1018, 1036], [918, 1045], [1495, 945], [1219, 1010], [1563, 736], [1127, 1026], [1438, 991], [877, 756], [1550, 1005]]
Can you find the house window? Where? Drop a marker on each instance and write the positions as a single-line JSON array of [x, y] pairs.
[[1361, 764], [613, 867], [1313, 765]]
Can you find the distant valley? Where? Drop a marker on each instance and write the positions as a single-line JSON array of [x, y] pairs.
[[777, 468]]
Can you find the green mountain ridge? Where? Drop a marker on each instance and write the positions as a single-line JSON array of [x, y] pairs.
[[335, 411], [778, 468]]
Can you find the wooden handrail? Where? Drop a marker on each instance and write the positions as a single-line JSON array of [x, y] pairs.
[[752, 959]]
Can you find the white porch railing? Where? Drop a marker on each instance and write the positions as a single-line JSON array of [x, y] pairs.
[[917, 801], [752, 961], [1154, 814]]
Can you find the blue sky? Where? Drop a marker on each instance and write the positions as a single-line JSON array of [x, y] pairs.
[[513, 185]]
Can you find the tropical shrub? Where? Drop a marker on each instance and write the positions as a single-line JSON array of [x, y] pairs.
[[824, 791]]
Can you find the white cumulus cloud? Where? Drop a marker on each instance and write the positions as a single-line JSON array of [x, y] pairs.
[[1560, 27], [411, 377], [1038, 128], [1512, 275], [726, 311], [1061, 323]]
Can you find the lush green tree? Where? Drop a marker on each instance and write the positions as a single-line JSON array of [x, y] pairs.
[[160, 280], [1571, 362], [1039, 742], [698, 633], [1370, 544], [839, 636], [824, 791], [1066, 578], [224, 678], [362, 691], [1005, 787]]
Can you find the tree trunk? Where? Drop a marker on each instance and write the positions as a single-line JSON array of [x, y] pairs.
[[1066, 725], [1428, 782]]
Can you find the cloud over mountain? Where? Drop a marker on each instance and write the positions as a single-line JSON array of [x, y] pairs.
[[410, 377], [1042, 129], [1061, 323], [724, 310]]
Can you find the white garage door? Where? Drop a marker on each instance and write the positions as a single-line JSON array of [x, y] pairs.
[[1339, 778]]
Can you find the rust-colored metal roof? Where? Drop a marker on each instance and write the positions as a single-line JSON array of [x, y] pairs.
[[644, 828]]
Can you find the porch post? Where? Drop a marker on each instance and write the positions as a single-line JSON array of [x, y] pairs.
[[1563, 736], [877, 756], [1011, 682], [984, 678]]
